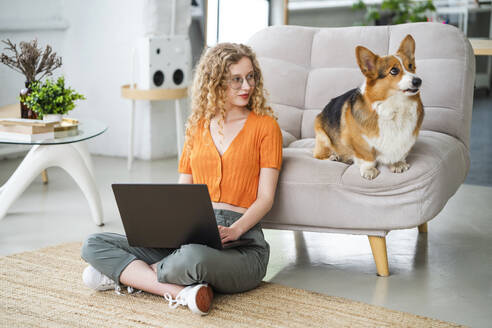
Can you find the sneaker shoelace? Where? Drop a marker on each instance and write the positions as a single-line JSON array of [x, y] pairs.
[[106, 281], [130, 290], [173, 303]]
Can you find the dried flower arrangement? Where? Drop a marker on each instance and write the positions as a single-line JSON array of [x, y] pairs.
[[31, 60]]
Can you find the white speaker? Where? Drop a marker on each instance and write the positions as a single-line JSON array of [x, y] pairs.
[[164, 62]]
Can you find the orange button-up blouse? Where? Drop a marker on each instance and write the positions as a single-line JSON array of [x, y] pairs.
[[233, 177]]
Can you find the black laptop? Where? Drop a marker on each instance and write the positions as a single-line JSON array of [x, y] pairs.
[[169, 215]]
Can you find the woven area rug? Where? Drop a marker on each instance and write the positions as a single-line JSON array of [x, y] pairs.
[[44, 288]]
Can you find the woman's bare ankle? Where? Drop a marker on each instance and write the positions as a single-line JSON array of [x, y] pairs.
[[141, 275]]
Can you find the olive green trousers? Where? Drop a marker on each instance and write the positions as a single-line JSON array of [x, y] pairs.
[[227, 271]]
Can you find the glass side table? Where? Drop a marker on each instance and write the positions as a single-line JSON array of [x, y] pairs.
[[69, 153]]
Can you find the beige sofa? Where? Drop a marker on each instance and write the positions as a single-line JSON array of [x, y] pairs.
[[304, 68]]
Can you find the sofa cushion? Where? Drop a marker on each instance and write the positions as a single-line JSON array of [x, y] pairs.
[[289, 118], [287, 138], [334, 195]]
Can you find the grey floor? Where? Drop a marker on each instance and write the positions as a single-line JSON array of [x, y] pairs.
[[446, 274]]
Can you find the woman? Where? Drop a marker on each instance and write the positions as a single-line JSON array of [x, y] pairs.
[[234, 145]]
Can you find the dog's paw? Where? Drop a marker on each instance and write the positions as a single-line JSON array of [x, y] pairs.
[[320, 154], [348, 161], [334, 157], [399, 167], [369, 173]]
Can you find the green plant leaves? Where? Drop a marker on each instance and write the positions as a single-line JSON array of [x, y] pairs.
[[399, 11], [50, 97]]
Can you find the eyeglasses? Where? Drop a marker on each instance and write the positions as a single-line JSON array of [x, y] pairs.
[[236, 82]]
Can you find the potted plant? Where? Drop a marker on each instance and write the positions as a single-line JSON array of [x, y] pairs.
[[50, 100], [32, 62], [396, 11]]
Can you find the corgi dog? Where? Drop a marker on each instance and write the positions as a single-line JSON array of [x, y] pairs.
[[378, 122]]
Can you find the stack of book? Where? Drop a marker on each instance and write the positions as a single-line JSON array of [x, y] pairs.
[[27, 130]]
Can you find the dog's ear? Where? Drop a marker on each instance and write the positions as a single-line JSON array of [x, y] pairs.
[[367, 61], [407, 47]]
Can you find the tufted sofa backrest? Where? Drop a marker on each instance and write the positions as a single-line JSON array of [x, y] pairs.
[[305, 67]]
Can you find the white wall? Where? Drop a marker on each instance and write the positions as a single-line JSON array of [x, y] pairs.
[[97, 52], [95, 39], [17, 25]]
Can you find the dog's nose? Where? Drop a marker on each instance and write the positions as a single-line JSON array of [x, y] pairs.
[[416, 82]]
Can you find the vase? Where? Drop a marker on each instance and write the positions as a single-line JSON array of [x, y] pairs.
[[52, 117], [26, 112]]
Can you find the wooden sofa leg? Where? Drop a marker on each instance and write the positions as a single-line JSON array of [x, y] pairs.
[[423, 228], [44, 176], [378, 246]]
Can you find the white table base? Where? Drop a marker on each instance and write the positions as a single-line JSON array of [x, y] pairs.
[[74, 158]]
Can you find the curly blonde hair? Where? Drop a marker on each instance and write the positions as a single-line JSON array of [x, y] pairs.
[[208, 92]]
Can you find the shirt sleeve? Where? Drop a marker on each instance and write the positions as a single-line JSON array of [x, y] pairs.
[[271, 145], [184, 161]]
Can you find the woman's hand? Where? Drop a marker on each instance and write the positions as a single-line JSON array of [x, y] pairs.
[[228, 234]]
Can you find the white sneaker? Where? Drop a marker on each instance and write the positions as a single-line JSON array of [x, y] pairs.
[[96, 280], [197, 297]]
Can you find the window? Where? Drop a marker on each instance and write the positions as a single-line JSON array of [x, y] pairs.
[[235, 20]]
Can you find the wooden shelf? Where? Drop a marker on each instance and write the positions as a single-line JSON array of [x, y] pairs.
[[153, 94], [481, 47]]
